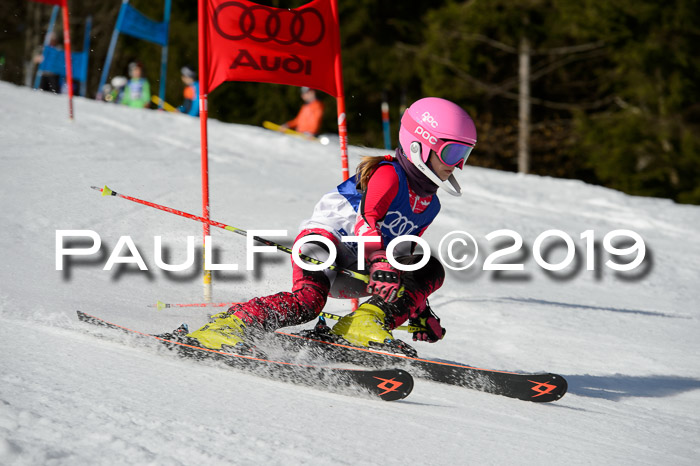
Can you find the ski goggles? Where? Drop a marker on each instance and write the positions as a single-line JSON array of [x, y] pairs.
[[451, 153]]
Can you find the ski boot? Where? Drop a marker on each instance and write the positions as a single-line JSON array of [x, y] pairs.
[[225, 332], [369, 327]]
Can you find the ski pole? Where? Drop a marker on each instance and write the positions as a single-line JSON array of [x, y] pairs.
[[109, 192], [408, 328], [160, 305]]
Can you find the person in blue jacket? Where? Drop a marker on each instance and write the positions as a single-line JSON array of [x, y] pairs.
[[190, 102]]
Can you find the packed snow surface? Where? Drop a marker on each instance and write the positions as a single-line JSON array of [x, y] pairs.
[[627, 342]]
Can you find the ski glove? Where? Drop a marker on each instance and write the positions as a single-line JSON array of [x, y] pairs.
[[431, 323], [384, 280]]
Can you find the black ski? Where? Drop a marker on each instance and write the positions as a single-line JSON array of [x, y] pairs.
[[541, 387], [387, 384]]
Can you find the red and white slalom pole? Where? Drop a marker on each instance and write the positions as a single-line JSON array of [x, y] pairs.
[[160, 305]]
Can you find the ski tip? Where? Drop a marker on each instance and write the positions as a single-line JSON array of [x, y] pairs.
[[563, 386], [547, 388], [392, 385]]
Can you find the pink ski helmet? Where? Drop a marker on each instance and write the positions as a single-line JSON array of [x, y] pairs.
[[440, 125]]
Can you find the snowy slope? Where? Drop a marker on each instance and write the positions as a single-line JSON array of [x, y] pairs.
[[628, 344]]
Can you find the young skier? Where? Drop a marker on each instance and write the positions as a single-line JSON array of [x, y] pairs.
[[137, 92], [388, 197]]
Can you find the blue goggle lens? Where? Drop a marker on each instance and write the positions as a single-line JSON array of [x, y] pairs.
[[452, 154]]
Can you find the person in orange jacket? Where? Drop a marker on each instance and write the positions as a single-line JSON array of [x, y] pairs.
[[308, 120]]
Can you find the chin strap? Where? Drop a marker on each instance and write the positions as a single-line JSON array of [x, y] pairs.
[[452, 188]]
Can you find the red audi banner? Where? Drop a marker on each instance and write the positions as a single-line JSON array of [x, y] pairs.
[[243, 41], [250, 42]]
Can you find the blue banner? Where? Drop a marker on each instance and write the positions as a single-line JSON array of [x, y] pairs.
[[136, 24], [54, 62]]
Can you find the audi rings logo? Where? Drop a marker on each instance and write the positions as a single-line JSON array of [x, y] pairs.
[[237, 21], [397, 224]]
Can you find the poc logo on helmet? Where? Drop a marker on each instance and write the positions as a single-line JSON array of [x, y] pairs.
[[426, 135], [428, 118]]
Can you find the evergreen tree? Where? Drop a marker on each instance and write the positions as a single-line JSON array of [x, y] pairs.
[[613, 85], [472, 52], [648, 143]]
